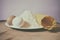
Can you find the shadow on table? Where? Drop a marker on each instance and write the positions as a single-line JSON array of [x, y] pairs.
[[39, 30], [57, 29], [31, 30]]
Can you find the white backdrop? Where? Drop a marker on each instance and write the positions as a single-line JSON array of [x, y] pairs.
[[16, 7]]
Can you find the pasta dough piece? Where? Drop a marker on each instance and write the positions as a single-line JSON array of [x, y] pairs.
[[9, 19], [46, 21], [19, 22], [29, 21], [28, 17]]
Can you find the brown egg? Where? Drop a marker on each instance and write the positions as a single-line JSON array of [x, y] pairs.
[[9, 19]]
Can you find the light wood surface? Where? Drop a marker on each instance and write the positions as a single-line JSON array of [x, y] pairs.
[[38, 34]]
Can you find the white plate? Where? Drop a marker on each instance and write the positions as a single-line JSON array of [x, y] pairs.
[[28, 17], [22, 28]]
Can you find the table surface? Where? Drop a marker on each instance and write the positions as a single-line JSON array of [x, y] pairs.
[[7, 33]]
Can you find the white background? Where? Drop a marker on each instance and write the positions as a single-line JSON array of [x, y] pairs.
[[16, 7]]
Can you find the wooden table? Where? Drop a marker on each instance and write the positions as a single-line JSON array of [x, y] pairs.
[[38, 34]]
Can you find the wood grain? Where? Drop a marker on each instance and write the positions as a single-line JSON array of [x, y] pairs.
[[38, 34]]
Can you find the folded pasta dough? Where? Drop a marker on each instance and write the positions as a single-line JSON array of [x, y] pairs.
[[9, 19], [46, 21]]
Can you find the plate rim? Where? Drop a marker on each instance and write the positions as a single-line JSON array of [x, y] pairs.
[[21, 28]]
